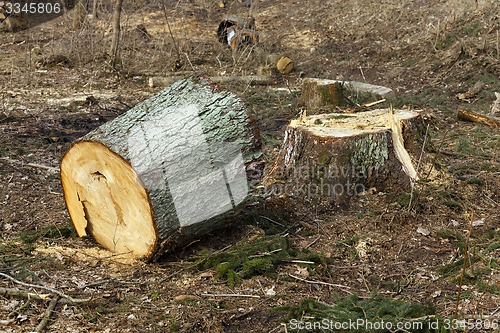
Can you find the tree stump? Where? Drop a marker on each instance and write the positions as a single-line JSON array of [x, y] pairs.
[[325, 96], [329, 158], [165, 172]]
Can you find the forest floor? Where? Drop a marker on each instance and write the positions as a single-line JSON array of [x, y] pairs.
[[427, 257]]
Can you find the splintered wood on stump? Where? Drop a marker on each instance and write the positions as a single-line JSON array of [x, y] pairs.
[[327, 159], [167, 171]]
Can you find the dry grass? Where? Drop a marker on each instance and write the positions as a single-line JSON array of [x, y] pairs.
[[403, 45]]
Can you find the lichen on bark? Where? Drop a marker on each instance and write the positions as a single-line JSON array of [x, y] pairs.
[[369, 153]]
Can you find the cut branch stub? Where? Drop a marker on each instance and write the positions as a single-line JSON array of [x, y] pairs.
[[328, 158], [167, 171]]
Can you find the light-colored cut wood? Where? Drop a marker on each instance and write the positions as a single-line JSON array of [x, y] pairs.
[[106, 199]]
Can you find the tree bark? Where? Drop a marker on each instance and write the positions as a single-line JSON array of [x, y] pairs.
[[79, 14], [115, 43], [327, 159], [169, 170], [94, 9]]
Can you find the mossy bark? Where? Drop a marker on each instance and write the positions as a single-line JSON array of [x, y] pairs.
[[326, 96], [326, 162], [322, 96]]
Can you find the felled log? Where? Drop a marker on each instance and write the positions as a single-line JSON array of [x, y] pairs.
[[478, 118], [236, 23], [169, 170], [241, 39], [325, 96], [327, 159], [259, 80]]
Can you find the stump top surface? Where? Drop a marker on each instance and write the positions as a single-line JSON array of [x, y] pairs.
[[338, 125]]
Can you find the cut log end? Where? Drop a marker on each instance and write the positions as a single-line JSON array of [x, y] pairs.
[[106, 199]]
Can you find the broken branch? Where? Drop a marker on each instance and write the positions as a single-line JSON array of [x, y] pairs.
[[46, 316], [478, 118], [52, 290], [23, 294], [230, 295], [340, 286]]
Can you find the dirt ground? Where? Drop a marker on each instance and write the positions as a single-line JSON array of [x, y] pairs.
[[438, 57]]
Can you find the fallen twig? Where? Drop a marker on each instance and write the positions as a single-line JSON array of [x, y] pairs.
[[31, 165], [277, 328], [18, 310], [9, 292], [5, 161], [313, 242], [272, 221], [374, 103], [264, 254], [478, 118], [46, 316], [230, 295], [342, 287], [41, 166], [23, 294], [302, 262], [52, 290]]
